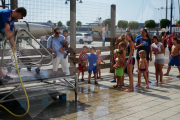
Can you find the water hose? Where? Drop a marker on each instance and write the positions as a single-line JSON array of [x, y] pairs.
[[23, 89]]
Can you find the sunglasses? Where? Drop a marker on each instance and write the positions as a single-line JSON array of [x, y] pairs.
[[57, 32]]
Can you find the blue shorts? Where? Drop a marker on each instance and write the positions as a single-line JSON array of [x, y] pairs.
[[174, 61], [94, 69]]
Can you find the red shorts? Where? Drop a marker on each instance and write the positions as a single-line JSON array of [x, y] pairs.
[[81, 68]]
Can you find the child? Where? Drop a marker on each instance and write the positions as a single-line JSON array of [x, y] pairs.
[[82, 61], [65, 43], [121, 47], [119, 68], [143, 68], [174, 59], [113, 62], [98, 53], [92, 59]]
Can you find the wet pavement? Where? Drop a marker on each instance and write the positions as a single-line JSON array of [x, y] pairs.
[[103, 102]]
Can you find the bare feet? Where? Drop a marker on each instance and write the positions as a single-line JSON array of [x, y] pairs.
[[160, 83], [129, 90], [156, 82], [166, 74]]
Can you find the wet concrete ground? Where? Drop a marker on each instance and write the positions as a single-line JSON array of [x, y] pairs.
[[103, 102]]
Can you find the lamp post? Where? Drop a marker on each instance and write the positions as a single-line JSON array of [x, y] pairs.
[[66, 2]]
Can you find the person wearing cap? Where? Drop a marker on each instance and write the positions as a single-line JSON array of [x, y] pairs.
[[7, 19]]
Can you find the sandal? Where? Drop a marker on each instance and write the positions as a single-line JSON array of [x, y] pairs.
[[138, 85], [7, 77], [3, 80], [115, 86], [178, 76], [119, 86]]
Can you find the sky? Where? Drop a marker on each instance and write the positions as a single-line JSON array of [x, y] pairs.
[[90, 10]]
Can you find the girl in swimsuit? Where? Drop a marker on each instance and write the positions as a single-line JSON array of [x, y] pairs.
[[143, 68]]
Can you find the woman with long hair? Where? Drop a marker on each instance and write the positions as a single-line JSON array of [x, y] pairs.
[[164, 40], [130, 61], [144, 43]]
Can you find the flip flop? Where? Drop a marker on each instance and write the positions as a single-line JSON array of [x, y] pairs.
[[178, 76], [2, 80], [7, 77]]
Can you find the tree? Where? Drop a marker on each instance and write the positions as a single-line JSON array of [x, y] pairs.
[[164, 23], [133, 25], [79, 23], [178, 22], [150, 24], [68, 23], [59, 24], [122, 23], [49, 21], [108, 22]]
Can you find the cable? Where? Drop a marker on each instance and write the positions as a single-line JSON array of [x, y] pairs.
[[139, 9], [23, 89]]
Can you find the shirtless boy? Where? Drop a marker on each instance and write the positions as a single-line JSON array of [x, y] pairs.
[[174, 59], [99, 60], [119, 68]]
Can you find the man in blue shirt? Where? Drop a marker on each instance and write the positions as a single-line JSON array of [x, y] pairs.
[[54, 45], [7, 18]]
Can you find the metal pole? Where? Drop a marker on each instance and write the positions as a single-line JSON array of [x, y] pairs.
[[73, 33], [166, 7], [171, 16], [113, 21]]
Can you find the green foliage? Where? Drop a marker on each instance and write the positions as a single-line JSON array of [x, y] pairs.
[[49, 21], [133, 24], [79, 23], [68, 23], [108, 22], [164, 23], [178, 22], [150, 24], [122, 23], [59, 24]]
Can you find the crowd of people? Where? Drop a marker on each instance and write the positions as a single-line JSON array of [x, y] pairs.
[[123, 59]]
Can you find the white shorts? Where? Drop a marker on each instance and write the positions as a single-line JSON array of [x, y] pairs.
[[159, 61]]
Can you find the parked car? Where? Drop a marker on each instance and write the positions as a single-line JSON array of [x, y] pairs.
[[84, 37]]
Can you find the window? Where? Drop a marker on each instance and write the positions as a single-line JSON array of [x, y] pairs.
[[78, 34], [87, 34]]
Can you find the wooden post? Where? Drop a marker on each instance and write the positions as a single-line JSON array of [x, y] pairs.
[[73, 33], [113, 32], [14, 5]]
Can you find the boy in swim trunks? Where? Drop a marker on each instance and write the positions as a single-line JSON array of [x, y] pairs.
[[175, 57], [98, 53], [92, 59], [121, 47], [119, 68]]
